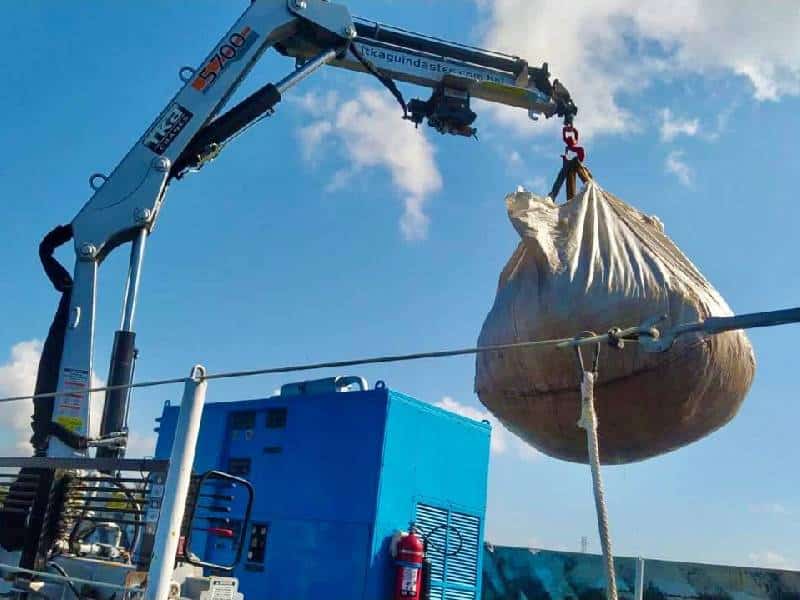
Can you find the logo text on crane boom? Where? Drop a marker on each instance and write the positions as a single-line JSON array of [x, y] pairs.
[[231, 50]]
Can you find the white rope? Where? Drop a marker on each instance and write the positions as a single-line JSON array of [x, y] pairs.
[[588, 421]]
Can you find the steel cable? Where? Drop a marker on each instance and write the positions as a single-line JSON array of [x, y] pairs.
[[392, 358]]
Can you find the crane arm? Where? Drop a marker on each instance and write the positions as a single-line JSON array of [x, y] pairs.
[[455, 72], [426, 61], [190, 130]]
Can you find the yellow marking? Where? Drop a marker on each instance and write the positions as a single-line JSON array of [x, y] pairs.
[[70, 423], [506, 89], [119, 496]]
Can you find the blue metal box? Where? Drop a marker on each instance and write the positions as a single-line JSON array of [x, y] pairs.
[[336, 473]]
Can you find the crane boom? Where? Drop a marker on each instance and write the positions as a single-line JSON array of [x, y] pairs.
[[191, 130], [426, 61]]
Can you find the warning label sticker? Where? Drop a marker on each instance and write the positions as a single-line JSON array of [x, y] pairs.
[[75, 382]]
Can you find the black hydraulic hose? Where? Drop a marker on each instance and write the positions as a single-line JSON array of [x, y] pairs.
[[56, 273], [47, 374], [63, 573], [22, 532], [137, 516], [388, 82]]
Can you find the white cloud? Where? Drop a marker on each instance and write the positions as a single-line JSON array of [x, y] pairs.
[[317, 103], [517, 166], [672, 127], [772, 508], [676, 165], [339, 180], [606, 49], [140, 445], [312, 136], [770, 559], [18, 378], [537, 185], [367, 131], [96, 399], [503, 441]]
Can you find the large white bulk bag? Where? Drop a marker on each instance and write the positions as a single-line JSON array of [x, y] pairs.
[[592, 264]]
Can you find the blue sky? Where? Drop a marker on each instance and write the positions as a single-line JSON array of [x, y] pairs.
[[334, 230]]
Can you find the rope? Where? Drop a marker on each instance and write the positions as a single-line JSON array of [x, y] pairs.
[[570, 170], [588, 421], [563, 342], [392, 358]]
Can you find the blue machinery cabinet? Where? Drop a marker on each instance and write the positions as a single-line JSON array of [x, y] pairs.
[[336, 473]]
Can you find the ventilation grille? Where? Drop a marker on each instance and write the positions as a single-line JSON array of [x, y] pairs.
[[451, 594], [453, 546], [432, 524], [463, 567]]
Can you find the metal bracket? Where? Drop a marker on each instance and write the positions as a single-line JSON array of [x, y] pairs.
[[327, 15], [92, 225], [652, 339], [192, 558], [656, 340]]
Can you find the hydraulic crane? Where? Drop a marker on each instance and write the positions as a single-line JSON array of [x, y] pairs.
[[189, 133]]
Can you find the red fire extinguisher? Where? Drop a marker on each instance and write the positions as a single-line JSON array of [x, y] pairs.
[[408, 566]]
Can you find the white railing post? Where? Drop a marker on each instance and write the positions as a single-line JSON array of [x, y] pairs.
[[639, 585], [176, 487]]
